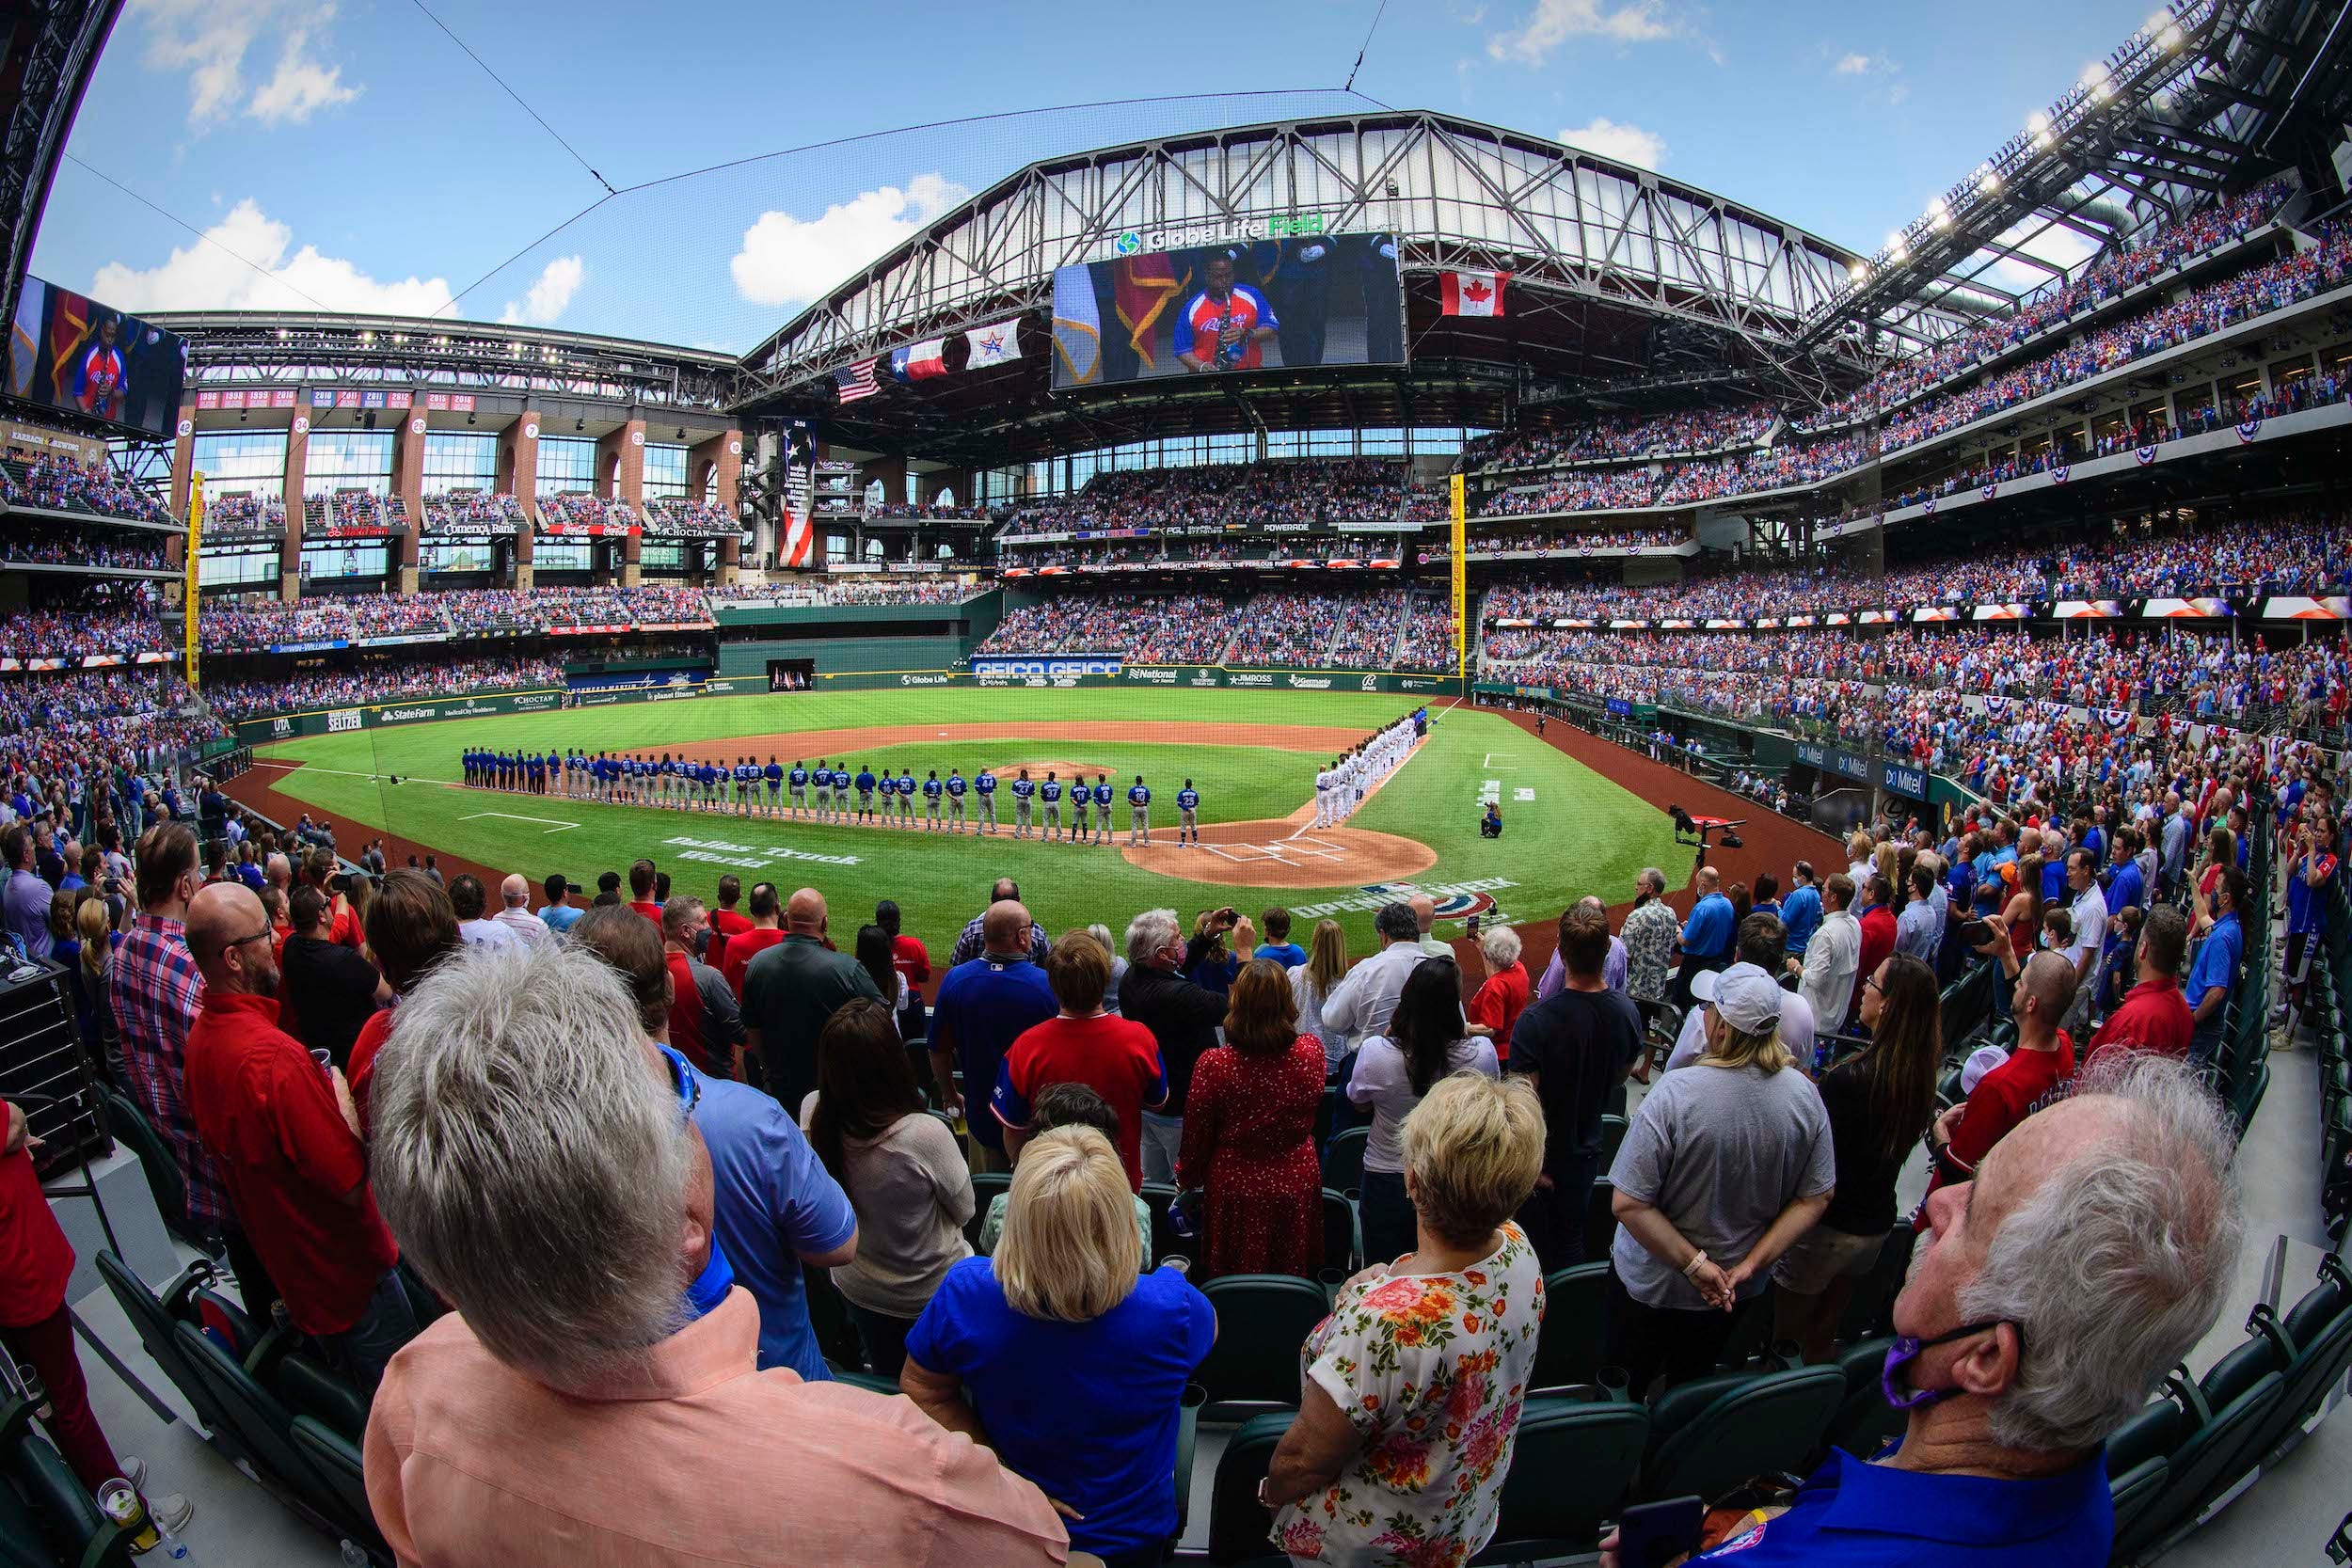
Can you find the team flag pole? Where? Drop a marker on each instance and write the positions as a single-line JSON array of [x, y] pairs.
[[1461, 631], [195, 545]]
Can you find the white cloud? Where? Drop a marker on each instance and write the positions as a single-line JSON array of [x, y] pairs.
[[1552, 23], [210, 277], [548, 293], [786, 259], [1628, 144], [1859, 64], [209, 40]]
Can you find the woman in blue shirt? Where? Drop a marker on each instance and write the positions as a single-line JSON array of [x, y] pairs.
[[1057, 1354]]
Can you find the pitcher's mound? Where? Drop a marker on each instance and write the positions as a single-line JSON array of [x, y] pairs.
[[1065, 771], [1262, 854]]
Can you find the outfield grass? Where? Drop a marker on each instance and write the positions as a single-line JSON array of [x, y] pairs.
[[1573, 832]]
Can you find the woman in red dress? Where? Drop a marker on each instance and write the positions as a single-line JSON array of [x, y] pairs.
[[1250, 1122]]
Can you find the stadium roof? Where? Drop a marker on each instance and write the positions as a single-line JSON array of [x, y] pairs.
[[45, 63]]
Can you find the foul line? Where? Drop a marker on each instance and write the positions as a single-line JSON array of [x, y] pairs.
[[348, 773], [554, 826]]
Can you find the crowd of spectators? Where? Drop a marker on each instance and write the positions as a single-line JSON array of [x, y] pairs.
[[1690, 431], [395, 680], [1290, 627], [242, 514], [932, 513], [344, 513], [42, 542], [476, 610], [1368, 638], [472, 511], [1428, 635], [1564, 541], [701, 519], [580, 509], [1577, 490], [1240, 495], [60, 484], [101, 618], [244, 624], [1149, 628]]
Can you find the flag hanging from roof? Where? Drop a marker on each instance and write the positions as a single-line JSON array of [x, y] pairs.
[[852, 382], [994, 345], [919, 361], [799, 489], [1473, 293]]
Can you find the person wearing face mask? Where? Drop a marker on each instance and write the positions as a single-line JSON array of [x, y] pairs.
[[286, 1139], [2093, 1248], [705, 1023], [543, 1167]]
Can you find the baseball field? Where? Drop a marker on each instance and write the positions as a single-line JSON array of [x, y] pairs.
[[1252, 755]]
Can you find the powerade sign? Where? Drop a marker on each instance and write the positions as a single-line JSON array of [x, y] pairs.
[[1911, 782]]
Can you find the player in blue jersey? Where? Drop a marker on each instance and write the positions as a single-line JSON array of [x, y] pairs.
[[865, 793], [956, 787], [797, 780], [1050, 793], [1187, 822], [1078, 801], [906, 797], [1101, 807], [1023, 791], [932, 790], [887, 783], [984, 809], [554, 766], [1139, 813], [773, 772], [822, 781]]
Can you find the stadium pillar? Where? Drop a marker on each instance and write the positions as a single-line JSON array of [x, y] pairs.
[[408, 489], [519, 476], [182, 467], [298, 480], [621, 476], [715, 467]]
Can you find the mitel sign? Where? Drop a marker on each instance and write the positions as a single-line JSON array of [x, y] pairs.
[[1909, 781]]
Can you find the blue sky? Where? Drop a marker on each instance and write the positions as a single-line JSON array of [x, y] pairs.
[[360, 161]]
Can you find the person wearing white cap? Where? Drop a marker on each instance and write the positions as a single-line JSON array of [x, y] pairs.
[[1726, 1165], [1763, 945]]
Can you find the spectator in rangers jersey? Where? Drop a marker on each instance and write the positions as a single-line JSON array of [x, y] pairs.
[[1225, 327]]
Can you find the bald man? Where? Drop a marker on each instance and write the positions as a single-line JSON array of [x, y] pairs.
[[2038, 1072], [514, 895], [984, 1002], [789, 990], [283, 1134]]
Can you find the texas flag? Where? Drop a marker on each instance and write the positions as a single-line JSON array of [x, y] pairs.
[[1473, 293], [919, 362]]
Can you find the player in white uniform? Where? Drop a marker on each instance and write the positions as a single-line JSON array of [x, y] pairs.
[[1323, 796]]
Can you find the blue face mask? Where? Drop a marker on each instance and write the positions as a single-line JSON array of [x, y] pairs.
[[712, 1286], [1904, 1351]]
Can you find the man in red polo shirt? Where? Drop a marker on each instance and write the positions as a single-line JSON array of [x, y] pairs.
[[640, 892], [767, 930], [1116, 1059], [285, 1138], [1878, 936], [2153, 1016], [2038, 1072], [726, 921], [705, 1023]]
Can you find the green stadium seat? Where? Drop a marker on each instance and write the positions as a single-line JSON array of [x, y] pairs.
[[1262, 1320], [64, 1516], [1160, 1197], [263, 1425], [1873, 1299], [829, 1319], [1344, 1159], [1343, 1233], [2317, 1341], [2226, 1409], [335, 1458], [1576, 1320], [22, 1544], [2138, 1468], [1612, 1131], [986, 1186], [1572, 1464], [129, 1126], [309, 1389], [1600, 1221], [857, 1377], [156, 1323], [1237, 1521], [1774, 1421], [1865, 1424]]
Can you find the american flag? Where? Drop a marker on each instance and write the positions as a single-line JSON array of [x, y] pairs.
[[856, 381]]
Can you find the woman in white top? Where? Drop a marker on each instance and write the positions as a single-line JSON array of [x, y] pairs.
[[1311, 982], [1425, 1042], [1118, 966], [899, 1164], [879, 958]]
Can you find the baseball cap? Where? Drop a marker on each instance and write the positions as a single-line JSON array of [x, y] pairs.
[[1748, 998], [1980, 1061]]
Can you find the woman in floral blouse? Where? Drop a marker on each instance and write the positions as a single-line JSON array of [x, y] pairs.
[[1411, 1389]]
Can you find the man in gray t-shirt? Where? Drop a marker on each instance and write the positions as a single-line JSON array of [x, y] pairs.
[[1722, 1169]]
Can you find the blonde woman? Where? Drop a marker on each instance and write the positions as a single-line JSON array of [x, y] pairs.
[[1729, 1161], [1311, 983], [1411, 1394], [1064, 1358]]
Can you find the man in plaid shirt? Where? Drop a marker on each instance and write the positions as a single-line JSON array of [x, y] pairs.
[[156, 991]]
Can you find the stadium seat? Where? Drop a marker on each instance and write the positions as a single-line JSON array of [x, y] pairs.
[[2136, 1463], [857, 1377], [1571, 1466], [46, 1492], [1873, 1299], [829, 1319], [1262, 1320], [311, 1391], [1342, 1234], [1576, 1319], [1612, 1130], [2319, 1330], [129, 1126], [1865, 1424], [1600, 1221], [1160, 1197], [2225, 1410], [1237, 1521], [156, 1323], [986, 1186], [335, 1457], [1774, 1421], [21, 1544], [1344, 1159], [263, 1424]]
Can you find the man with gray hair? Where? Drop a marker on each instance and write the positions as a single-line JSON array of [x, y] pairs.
[[1183, 1017], [2092, 1250], [551, 1185], [1613, 969], [1363, 1004]]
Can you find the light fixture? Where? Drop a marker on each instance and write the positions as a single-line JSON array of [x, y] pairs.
[[1990, 183], [2037, 122], [580, 425], [2095, 73], [1859, 271]]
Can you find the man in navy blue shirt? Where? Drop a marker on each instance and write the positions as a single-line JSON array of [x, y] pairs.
[[1139, 813], [906, 797], [984, 802], [1023, 791], [984, 1004], [932, 790], [1187, 824], [1050, 792], [865, 793], [2021, 1347], [956, 787], [1103, 806]]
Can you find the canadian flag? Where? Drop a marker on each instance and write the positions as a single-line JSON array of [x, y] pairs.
[[1473, 293]]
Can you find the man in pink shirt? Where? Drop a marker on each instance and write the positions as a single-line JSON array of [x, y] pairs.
[[552, 1188]]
